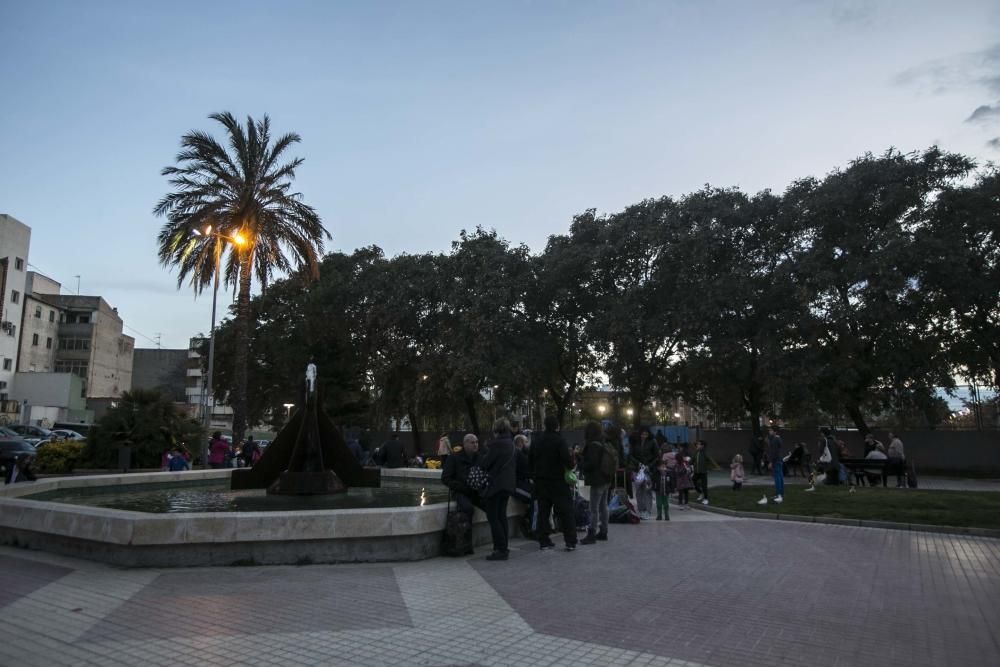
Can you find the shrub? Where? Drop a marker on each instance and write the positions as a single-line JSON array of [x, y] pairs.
[[59, 456]]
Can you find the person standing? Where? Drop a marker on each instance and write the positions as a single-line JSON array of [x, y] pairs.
[[550, 459], [701, 471], [499, 464], [897, 457], [177, 461], [391, 453], [598, 466], [663, 486], [250, 452], [218, 449], [774, 447]]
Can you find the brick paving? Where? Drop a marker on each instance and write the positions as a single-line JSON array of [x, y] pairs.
[[700, 590]]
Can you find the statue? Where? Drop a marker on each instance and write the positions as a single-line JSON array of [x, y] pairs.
[[309, 455]]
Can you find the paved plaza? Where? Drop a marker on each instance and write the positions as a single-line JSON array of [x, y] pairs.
[[701, 589]]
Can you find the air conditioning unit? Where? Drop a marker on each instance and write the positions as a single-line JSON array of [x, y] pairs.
[[7, 327]]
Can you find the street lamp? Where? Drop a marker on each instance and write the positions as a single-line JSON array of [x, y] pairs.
[[239, 241], [288, 411]]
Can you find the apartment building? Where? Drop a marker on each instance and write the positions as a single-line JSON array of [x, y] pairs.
[[15, 241]]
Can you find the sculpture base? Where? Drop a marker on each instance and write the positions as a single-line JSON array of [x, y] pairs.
[[307, 484]]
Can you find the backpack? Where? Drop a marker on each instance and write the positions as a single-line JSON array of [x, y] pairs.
[[609, 460]]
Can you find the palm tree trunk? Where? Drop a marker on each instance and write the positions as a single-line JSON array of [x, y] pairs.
[[242, 352]]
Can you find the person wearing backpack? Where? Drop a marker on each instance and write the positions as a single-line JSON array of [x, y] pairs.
[[600, 461]]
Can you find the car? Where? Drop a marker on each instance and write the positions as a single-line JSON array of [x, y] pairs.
[[31, 434], [67, 434], [7, 433], [13, 448]]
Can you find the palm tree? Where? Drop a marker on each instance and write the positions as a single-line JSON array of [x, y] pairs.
[[233, 210]]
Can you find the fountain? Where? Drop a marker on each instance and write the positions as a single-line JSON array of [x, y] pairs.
[[306, 500]]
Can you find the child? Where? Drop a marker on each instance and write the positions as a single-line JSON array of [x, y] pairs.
[[684, 483], [736, 472], [662, 485]]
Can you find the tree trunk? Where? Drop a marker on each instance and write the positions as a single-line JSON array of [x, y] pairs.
[[242, 352], [859, 419], [415, 431], [470, 411]]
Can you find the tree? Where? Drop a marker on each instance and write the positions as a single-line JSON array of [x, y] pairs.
[[640, 332], [561, 305], [240, 194], [961, 274], [148, 422], [734, 283], [859, 262]]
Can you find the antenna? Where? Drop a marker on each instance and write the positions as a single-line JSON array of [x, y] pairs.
[[77, 285], [158, 334]]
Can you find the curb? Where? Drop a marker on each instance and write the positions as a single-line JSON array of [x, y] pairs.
[[857, 523]]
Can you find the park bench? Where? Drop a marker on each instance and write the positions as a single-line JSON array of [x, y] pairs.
[[869, 468]]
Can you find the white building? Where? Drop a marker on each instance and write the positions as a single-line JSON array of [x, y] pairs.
[[15, 241]]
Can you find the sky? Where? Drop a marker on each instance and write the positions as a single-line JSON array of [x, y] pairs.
[[422, 119]]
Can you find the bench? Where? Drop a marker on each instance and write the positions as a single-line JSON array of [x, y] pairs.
[[871, 469]]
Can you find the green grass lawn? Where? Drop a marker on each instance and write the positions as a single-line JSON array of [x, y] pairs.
[[972, 509]]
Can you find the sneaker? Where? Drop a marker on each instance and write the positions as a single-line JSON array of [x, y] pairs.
[[778, 499], [497, 555], [811, 488], [762, 501], [603, 537], [570, 547], [705, 501], [589, 539], [546, 546], [659, 517], [700, 496]]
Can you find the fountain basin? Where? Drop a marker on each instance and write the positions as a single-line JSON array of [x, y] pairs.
[[141, 539]]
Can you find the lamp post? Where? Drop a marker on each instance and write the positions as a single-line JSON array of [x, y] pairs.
[[238, 241], [288, 411]]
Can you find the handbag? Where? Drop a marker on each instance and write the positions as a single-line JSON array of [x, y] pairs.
[[826, 456], [477, 479], [570, 477]]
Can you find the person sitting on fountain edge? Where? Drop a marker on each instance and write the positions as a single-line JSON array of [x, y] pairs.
[[456, 474]]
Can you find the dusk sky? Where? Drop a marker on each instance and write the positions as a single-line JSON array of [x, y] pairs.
[[419, 119]]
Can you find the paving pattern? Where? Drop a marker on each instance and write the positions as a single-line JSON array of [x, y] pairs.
[[702, 589]]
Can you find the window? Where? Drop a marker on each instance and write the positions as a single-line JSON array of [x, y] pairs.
[[34, 340], [74, 343], [52, 316], [7, 363], [74, 366], [18, 264], [15, 296], [48, 343], [38, 312]]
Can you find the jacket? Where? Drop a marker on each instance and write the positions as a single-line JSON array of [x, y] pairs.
[[522, 469], [774, 449], [684, 476], [456, 471], [217, 450], [736, 472], [700, 462], [500, 463], [391, 454], [663, 482], [590, 466], [550, 458]]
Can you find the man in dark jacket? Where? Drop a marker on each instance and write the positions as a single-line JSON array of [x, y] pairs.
[[593, 467], [500, 465], [456, 475], [391, 453], [550, 459]]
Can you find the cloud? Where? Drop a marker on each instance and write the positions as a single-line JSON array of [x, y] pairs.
[[994, 143], [984, 114], [858, 12], [975, 69]]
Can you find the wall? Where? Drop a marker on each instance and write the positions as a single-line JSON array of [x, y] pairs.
[[15, 241], [39, 358]]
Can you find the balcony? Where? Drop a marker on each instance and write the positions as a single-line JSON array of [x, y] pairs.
[[194, 372]]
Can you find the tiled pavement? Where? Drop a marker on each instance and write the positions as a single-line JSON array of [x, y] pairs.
[[701, 589]]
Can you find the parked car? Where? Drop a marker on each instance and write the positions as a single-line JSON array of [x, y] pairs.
[[31, 434], [66, 434], [12, 448], [7, 433]]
